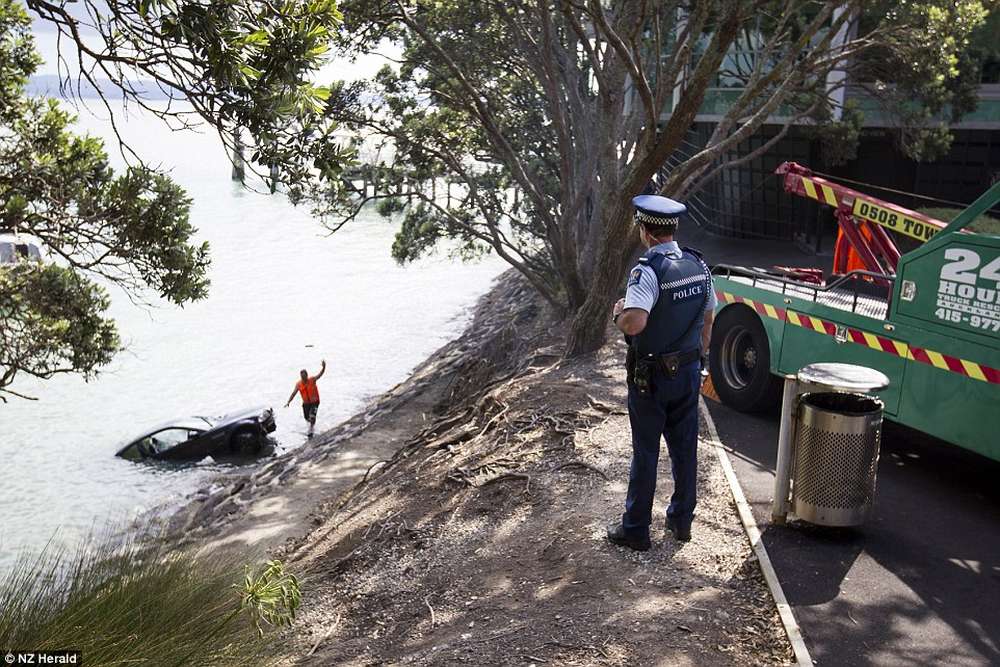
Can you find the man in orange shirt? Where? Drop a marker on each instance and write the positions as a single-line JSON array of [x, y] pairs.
[[310, 395]]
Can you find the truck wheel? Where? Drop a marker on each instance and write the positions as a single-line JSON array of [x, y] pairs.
[[740, 362]]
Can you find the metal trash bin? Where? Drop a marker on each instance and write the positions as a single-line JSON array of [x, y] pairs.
[[837, 438], [814, 379]]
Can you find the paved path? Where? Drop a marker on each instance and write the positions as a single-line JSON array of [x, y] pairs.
[[725, 250], [919, 584]]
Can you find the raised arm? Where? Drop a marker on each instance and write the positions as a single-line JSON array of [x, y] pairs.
[[321, 370]]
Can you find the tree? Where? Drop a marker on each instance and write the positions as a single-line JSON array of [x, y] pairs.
[[242, 67], [933, 79], [131, 230], [550, 115]]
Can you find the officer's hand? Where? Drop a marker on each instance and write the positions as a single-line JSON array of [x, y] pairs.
[[619, 307]]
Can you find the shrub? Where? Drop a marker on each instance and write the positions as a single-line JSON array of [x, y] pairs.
[[138, 601]]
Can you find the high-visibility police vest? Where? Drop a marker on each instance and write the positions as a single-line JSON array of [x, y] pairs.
[[309, 391], [677, 318]]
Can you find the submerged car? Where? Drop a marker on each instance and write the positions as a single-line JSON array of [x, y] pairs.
[[236, 434]]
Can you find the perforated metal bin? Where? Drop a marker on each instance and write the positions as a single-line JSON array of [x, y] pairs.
[[837, 437]]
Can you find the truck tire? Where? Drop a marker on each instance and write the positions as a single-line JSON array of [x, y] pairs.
[[739, 360]]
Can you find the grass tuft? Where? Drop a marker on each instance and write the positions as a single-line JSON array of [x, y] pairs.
[[136, 601]]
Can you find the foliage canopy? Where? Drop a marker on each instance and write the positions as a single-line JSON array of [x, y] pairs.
[[548, 116], [241, 67]]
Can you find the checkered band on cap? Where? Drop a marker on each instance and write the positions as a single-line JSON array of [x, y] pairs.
[[646, 218]]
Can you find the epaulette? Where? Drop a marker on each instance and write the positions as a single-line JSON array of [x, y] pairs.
[[653, 260], [693, 251]]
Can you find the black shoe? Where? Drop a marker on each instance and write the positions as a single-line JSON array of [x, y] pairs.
[[680, 534], [616, 535]]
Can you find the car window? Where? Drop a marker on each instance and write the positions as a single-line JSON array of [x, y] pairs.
[[131, 453], [167, 438], [7, 253]]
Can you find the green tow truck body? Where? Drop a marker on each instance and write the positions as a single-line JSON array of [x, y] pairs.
[[933, 327]]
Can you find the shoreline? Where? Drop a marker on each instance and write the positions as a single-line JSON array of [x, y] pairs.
[[460, 519], [206, 516]]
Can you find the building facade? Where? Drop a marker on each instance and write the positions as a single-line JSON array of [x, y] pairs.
[[748, 201]]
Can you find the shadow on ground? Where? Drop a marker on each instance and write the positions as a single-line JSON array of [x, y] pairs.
[[919, 583]]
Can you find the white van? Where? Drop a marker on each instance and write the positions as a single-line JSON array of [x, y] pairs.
[[15, 248]]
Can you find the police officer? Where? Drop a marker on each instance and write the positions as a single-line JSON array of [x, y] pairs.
[[666, 317]]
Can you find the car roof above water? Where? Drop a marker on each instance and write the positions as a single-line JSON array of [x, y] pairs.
[[199, 423], [195, 423], [236, 415], [202, 423]]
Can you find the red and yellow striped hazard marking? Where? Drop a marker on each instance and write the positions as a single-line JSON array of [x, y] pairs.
[[945, 362], [891, 217], [814, 190]]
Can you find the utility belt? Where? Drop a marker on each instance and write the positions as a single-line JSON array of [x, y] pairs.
[[639, 370]]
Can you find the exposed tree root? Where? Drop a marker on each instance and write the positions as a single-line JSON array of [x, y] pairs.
[[580, 464]]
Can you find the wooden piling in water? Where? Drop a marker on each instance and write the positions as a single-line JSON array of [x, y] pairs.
[[239, 166]]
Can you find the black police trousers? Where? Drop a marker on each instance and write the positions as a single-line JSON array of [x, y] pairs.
[[670, 411]]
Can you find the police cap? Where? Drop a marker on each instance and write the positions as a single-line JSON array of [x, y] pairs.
[[658, 211]]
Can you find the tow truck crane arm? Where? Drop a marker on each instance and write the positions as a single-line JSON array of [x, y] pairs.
[[930, 323], [862, 219]]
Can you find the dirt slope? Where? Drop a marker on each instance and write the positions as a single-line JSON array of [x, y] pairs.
[[481, 540]]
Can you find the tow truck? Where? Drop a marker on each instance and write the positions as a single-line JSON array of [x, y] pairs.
[[928, 318]]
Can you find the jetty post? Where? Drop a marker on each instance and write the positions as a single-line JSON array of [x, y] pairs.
[[239, 165]]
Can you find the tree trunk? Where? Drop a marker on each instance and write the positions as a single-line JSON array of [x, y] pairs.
[[588, 329], [589, 326]]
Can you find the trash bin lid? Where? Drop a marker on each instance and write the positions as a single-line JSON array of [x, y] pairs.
[[843, 377]]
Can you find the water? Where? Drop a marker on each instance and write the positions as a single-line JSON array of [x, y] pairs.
[[284, 296]]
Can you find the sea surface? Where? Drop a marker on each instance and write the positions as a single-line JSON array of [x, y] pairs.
[[284, 296]]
